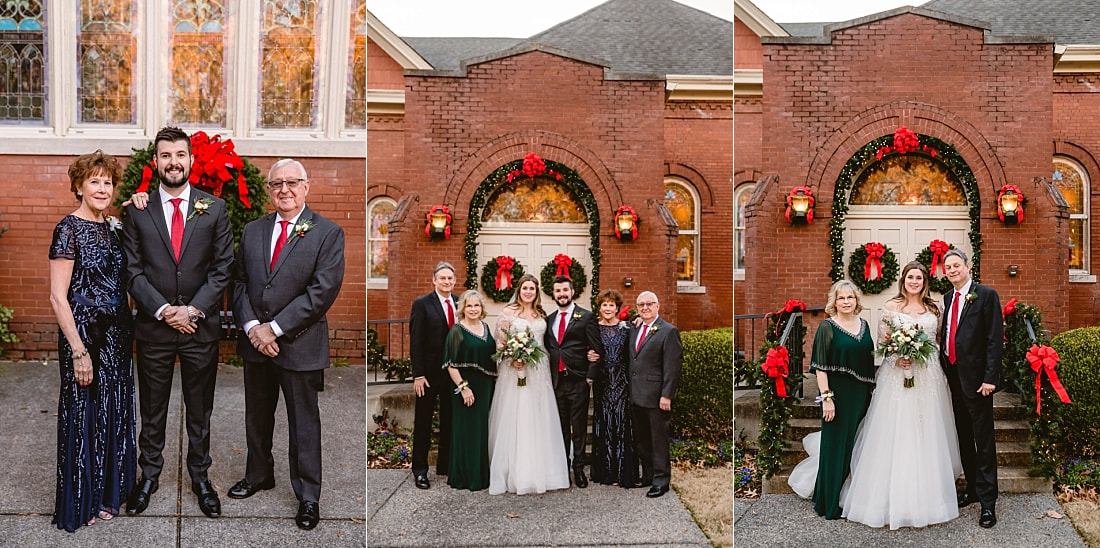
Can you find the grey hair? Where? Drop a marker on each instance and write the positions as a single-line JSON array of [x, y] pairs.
[[288, 162], [956, 253], [644, 293], [830, 305], [441, 266]]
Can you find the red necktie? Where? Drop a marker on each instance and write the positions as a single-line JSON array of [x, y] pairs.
[[954, 327], [177, 228], [279, 244], [641, 338], [561, 335], [450, 314]]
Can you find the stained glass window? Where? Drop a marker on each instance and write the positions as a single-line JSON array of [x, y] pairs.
[[535, 200], [106, 53], [288, 64], [198, 92], [908, 179], [681, 202], [378, 240], [22, 62], [1073, 182], [355, 113], [744, 192]]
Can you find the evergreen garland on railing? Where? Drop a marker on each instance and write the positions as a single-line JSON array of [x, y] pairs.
[[1018, 376], [776, 411]]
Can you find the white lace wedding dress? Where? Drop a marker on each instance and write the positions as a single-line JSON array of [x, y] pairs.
[[906, 455], [526, 452]]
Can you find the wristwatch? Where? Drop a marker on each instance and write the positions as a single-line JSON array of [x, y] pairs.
[[192, 314]]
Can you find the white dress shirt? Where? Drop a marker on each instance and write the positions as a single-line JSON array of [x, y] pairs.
[[277, 231], [168, 209], [964, 292], [568, 318]]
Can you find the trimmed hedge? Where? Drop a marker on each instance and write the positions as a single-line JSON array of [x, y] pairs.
[[703, 409], [1068, 431]]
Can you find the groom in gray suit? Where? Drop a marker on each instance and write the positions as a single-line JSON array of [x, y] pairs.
[[290, 266], [656, 357]]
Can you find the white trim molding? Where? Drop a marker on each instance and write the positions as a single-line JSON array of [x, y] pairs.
[[754, 18], [687, 87]]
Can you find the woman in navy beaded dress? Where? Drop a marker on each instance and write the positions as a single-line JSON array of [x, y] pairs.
[[96, 456], [613, 459]]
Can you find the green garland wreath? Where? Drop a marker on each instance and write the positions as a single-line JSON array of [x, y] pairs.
[[489, 281], [938, 284], [576, 273], [856, 263]]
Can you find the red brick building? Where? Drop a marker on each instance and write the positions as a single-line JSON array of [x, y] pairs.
[[1005, 90], [631, 117]]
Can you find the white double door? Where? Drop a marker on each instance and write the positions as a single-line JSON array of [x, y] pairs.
[[906, 230], [533, 245]]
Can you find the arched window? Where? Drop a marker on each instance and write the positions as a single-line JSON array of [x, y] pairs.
[[908, 180], [1073, 181], [740, 200], [533, 200], [379, 211], [683, 202]]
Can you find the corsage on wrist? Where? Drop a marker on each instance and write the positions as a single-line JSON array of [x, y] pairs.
[[464, 384], [824, 397]]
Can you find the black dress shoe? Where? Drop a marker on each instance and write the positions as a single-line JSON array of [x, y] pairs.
[[138, 500], [655, 491], [244, 489], [308, 515], [988, 519], [582, 481], [208, 498], [966, 499], [422, 482]]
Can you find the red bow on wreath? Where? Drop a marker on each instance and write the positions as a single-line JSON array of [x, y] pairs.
[[1019, 210], [793, 305], [776, 367], [428, 217], [1045, 358], [533, 166], [563, 262], [938, 247], [633, 215], [809, 212], [905, 141], [873, 269], [1010, 308], [213, 159], [504, 271]]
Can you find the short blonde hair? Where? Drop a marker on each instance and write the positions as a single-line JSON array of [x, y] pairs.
[[830, 306], [467, 295]]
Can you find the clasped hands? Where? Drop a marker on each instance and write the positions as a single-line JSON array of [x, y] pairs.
[[263, 339], [178, 318]]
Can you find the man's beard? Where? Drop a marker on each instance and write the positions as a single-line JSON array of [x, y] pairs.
[[164, 179], [563, 304]]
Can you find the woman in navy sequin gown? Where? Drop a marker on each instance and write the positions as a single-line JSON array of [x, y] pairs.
[[96, 456], [614, 461]]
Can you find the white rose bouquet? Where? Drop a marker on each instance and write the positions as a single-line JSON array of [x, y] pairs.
[[907, 341], [520, 346]]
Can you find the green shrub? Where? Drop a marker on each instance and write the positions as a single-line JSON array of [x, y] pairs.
[[6, 335], [396, 369], [1068, 431], [703, 409]]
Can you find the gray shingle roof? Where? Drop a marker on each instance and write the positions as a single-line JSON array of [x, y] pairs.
[[447, 53], [1071, 22]]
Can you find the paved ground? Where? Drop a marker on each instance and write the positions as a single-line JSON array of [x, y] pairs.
[[787, 520], [28, 437], [399, 514]]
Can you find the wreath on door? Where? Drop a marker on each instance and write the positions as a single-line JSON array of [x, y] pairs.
[[563, 265], [932, 259], [873, 267], [498, 276]]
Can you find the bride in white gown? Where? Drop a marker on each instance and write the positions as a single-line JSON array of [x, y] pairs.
[[526, 452], [906, 454]]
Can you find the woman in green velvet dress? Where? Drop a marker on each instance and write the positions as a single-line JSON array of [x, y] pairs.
[[844, 362], [467, 356]]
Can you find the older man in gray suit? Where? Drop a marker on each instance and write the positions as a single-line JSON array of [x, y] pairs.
[[656, 357], [290, 266]]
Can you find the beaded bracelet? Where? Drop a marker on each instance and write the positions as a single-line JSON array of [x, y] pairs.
[[81, 354]]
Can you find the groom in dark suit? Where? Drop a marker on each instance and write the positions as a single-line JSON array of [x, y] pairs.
[[971, 357], [290, 267], [566, 342], [656, 358], [179, 252]]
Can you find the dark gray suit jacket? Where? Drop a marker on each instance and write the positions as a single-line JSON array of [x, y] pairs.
[[296, 294], [655, 366], [200, 278]]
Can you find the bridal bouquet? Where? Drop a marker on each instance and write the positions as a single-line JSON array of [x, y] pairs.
[[520, 346], [907, 341]]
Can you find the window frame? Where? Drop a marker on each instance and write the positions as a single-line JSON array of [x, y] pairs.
[[374, 282], [1085, 272], [695, 284], [739, 225]]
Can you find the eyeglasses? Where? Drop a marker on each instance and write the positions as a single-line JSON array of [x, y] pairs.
[[290, 184], [646, 305]]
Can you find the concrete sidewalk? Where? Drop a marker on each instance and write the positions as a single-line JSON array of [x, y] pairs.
[[787, 520], [28, 438], [399, 514]]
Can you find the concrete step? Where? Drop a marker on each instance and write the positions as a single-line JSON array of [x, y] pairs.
[[1010, 479], [1011, 453], [1004, 430]]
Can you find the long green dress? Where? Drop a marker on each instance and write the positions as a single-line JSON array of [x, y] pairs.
[[848, 360], [472, 355]]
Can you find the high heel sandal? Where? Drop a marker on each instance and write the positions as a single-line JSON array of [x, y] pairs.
[[104, 515]]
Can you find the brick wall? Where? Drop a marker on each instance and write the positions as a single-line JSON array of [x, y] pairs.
[[382, 71]]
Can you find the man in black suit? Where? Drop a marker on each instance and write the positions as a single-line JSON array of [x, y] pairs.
[[290, 267], [971, 357], [656, 358], [179, 251], [431, 318], [566, 342]]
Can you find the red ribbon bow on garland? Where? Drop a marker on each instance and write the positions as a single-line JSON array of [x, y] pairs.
[[938, 247], [776, 366], [1019, 210], [533, 166], [212, 160], [905, 141], [504, 271], [428, 217], [1010, 308], [1045, 358], [873, 269], [793, 305], [809, 212], [563, 262]]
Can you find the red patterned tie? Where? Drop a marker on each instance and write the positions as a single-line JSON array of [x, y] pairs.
[[177, 228], [561, 335], [641, 338], [954, 327], [279, 244], [450, 314]]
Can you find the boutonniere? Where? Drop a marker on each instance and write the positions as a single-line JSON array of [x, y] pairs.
[[576, 315], [114, 224], [300, 229], [971, 297], [654, 329], [201, 205]]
